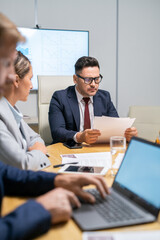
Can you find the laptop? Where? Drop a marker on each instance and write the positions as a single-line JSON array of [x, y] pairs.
[[135, 193]]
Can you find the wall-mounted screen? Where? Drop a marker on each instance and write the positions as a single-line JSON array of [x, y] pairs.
[[53, 52]]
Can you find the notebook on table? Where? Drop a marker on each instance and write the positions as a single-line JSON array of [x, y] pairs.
[[135, 194]]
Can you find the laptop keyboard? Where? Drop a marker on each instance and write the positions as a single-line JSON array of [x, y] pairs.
[[113, 208]]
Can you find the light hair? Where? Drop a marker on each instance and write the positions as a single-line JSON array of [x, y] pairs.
[[21, 65], [9, 34]]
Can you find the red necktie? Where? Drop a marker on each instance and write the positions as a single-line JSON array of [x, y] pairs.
[[87, 123]]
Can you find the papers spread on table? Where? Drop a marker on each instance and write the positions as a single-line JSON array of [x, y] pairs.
[[99, 159], [118, 160], [138, 235], [111, 127]]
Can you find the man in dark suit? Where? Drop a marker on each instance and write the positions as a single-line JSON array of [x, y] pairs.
[[71, 117], [51, 205]]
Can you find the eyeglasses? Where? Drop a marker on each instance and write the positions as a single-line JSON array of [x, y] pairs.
[[89, 80]]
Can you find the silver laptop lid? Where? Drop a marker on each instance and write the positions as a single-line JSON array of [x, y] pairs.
[[139, 173]]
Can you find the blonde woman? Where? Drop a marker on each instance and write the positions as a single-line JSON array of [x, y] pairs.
[[20, 146]]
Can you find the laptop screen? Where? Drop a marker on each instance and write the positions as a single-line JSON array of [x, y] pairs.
[[140, 171]]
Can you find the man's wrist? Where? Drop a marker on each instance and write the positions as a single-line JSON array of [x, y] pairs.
[[79, 137], [75, 138], [59, 180]]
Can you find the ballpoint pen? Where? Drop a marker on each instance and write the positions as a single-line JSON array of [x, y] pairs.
[[61, 165]]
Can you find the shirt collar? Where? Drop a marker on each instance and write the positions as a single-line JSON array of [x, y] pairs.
[[17, 115], [80, 97]]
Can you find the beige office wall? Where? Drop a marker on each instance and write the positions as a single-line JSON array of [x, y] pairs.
[[139, 54], [99, 17], [138, 72], [21, 12]]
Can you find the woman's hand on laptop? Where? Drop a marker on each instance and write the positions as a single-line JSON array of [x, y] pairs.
[[75, 183]]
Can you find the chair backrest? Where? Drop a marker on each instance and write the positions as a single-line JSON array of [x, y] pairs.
[[147, 121], [47, 85]]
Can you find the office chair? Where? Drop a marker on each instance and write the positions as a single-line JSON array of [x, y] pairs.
[[47, 85], [147, 121]]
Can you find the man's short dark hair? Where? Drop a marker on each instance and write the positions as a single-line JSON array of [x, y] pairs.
[[86, 62]]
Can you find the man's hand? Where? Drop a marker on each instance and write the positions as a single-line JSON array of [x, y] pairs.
[[89, 136], [130, 132], [75, 183], [38, 146], [58, 203]]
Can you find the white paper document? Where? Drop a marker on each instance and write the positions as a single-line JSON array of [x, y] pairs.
[[98, 159], [118, 160], [136, 235], [109, 127]]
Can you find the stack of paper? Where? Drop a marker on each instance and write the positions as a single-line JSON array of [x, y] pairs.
[[118, 160], [109, 127], [139, 235], [99, 159]]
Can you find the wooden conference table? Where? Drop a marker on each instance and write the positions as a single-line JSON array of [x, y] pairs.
[[69, 230]]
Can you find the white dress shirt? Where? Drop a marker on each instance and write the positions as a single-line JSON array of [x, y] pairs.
[[81, 105]]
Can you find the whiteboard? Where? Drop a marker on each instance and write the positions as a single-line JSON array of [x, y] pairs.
[[53, 52]]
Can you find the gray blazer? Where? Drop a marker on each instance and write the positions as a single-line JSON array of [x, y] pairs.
[[12, 149]]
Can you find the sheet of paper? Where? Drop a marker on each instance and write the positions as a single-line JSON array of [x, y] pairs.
[[138, 235], [111, 126], [99, 159], [118, 160]]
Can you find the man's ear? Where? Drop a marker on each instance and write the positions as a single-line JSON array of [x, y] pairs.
[[16, 82], [75, 79]]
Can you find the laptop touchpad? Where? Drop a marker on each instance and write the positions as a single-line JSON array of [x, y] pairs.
[[87, 218]]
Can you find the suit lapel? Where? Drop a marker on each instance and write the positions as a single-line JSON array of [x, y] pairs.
[[22, 126], [7, 117], [97, 105], [72, 99]]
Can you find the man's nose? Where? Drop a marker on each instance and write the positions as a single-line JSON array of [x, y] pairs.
[[11, 76], [93, 83], [12, 69]]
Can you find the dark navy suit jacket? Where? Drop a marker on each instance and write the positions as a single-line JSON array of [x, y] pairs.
[[64, 115], [30, 219]]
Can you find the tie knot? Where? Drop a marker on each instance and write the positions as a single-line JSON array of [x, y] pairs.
[[86, 100]]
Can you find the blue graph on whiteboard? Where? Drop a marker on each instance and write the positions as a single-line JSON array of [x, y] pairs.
[[25, 51]]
